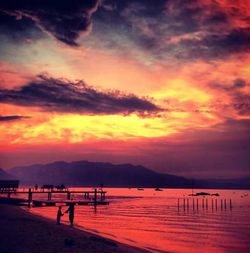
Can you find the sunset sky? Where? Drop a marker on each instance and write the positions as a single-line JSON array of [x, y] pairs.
[[163, 83]]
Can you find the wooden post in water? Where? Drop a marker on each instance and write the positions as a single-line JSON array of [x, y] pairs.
[[29, 197], [102, 196], [230, 204], [68, 195], [193, 203], [184, 204], [95, 197], [216, 204], [212, 204], [225, 204], [221, 204], [197, 204], [178, 204], [202, 203], [187, 203], [49, 195], [207, 204]]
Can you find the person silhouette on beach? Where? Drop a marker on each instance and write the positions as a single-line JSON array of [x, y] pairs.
[[71, 211], [59, 215]]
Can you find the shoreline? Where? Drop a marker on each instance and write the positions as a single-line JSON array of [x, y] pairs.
[[25, 232]]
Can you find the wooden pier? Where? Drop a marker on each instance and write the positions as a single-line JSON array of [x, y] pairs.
[[94, 197]]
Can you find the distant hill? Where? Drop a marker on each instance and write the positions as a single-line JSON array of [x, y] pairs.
[[84, 173], [4, 175]]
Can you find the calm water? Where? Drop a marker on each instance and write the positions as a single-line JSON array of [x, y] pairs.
[[151, 220]]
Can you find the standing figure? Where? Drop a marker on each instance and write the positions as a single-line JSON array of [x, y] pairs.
[[59, 215], [71, 211]]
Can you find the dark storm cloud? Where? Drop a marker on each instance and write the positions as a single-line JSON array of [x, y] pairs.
[[242, 104], [21, 31], [233, 87], [213, 46], [180, 29], [12, 118], [239, 83], [235, 41], [64, 20], [240, 101], [63, 96], [212, 42]]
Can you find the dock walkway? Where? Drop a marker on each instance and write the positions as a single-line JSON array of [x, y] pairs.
[[95, 197]]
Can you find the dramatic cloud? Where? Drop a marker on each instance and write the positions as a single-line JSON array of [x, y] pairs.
[[182, 29], [12, 118], [63, 96], [191, 56], [64, 20], [240, 100], [217, 45]]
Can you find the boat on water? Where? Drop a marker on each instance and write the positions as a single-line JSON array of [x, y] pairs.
[[140, 189], [158, 189], [204, 194]]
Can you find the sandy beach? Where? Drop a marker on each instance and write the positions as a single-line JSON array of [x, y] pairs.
[[21, 231]]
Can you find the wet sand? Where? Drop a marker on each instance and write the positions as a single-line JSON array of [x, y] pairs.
[[23, 232]]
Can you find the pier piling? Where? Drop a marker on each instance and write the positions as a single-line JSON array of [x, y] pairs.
[[95, 197], [68, 195], [29, 197], [49, 195]]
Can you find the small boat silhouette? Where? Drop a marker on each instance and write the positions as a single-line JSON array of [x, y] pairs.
[[158, 189], [205, 194], [140, 189]]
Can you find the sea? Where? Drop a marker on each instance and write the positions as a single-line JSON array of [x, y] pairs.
[[158, 221]]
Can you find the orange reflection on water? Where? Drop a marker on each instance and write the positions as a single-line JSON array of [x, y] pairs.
[[150, 219]]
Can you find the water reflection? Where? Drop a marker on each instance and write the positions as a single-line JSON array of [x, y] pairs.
[[155, 221]]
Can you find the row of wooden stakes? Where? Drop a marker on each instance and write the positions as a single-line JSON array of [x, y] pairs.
[[195, 204]]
